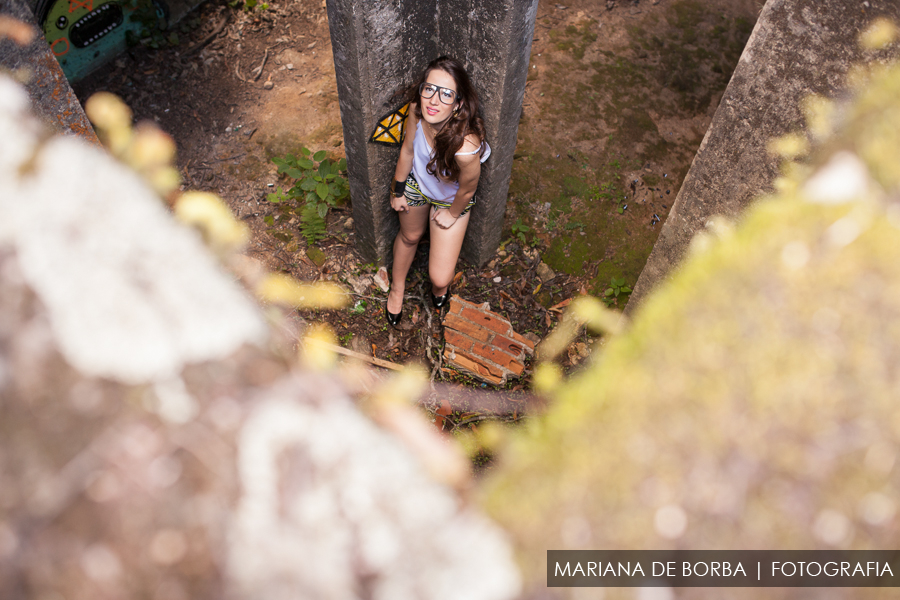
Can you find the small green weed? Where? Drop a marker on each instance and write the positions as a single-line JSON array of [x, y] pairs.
[[519, 230], [359, 307], [249, 5], [616, 288], [317, 189]]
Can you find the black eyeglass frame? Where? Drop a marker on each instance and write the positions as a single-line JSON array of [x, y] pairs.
[[437, 90]]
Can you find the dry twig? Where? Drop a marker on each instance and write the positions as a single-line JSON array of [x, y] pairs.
[[259, 69], [363, 357], [237, 66]]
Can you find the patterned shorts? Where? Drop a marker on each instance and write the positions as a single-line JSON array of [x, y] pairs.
[[415, 197]]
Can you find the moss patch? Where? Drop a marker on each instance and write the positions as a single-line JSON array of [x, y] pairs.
[[280, 144], [250, 169], [594, 144]]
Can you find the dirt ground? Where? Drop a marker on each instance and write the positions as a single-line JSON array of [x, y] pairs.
[[618, 98]]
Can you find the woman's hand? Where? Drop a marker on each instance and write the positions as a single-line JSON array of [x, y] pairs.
[[442, 218], [399, 203]]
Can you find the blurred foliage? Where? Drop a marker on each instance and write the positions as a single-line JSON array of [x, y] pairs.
[[284, 289], [753, 401], [206, 211], [151, 153], [146, 149]]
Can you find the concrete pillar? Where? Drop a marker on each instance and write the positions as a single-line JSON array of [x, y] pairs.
[[50, 92], [381, 46], [798, 48]]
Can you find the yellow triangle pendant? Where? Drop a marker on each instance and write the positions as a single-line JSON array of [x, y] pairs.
[[390, 128]]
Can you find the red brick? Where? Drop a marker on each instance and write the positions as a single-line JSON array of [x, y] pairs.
[[468, 328], [507, 345], [456, 339], [484, 366], [465, 303], [528, 344], [472, 367], [494, 355], [456, 305], [488, 320]]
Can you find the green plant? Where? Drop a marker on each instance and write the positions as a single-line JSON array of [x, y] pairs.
[[358, 308], [317, 189], [607, 190], [153, 23], [616, 288], [519, 230], [249, 5]]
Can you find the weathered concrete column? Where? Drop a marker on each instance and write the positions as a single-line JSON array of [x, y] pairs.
[[798, 48], [48, 87], [381, 46]]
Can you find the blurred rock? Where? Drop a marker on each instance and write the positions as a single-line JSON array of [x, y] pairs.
[[544, 272], [381, 279], [360, 284], [156, 438]]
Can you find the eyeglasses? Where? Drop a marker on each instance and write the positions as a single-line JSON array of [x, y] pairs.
[[447, 96]]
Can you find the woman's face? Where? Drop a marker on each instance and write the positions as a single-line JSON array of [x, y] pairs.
[[434, 110]]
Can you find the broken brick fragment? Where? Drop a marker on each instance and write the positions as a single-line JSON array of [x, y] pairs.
[[482, 343]]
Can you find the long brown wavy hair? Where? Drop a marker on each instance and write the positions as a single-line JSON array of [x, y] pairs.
[[450, 138]]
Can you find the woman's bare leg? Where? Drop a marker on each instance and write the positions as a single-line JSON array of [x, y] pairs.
[[412, 228], [444, 252]]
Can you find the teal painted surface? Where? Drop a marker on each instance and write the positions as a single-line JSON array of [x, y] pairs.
[[85, 34]]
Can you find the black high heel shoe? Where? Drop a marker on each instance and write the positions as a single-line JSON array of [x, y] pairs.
[[440, 301], [392, 319]]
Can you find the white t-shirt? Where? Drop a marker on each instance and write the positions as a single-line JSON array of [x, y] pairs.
[[429, 184]]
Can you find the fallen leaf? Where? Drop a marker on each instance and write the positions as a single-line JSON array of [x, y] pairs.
[[547, 319], [302, 256], [506, 296], [442, 411], [558, 307]]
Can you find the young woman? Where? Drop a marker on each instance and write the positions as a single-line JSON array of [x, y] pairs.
[[436, 176]]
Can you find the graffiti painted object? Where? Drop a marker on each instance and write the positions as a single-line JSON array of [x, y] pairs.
[[84, 34]]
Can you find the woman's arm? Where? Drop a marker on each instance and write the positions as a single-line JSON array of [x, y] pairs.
[[469, 173], [405, 162]]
